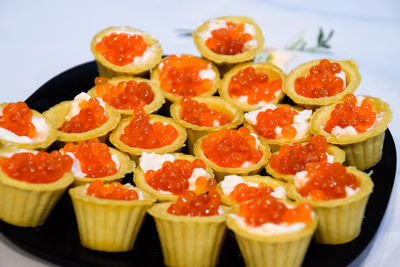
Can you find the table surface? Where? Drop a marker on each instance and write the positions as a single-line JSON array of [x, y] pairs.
[[40, 39]]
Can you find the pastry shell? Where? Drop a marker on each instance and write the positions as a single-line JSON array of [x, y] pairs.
[[57, 114], [51, 137], [194, 132], [273, 72], [108, 69], [140, 180], [339, 220], [136, 152], [107, 224], [338, 154], [156, 104], [174, 97], [353, 79], [189, 240], [229, 59]]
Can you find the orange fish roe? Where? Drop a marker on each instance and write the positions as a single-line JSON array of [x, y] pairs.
[[179, 75], [320, 81], [143, 134], [91, 116], [174, 176], [230, 148], [94, 158], [199, 114], [349, 114], [292, 158], [121, 48], [267, 209], [229, 40], [282, 117], [327, 181], [114, 191], [125, 95], [255, 86], [40, 168], [190, 204], [17, 118], [242, 192]]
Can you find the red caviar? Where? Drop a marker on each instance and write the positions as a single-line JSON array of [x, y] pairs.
[[179, 75], [190, 204], [114, 191], [230, 40], [94, 158], [231, 148], [282, 117], [198, 113], [349, 114], [321, 81], [255, 86], [327, 181], [267, 209], [243, 192], [17, 118], [121, 48], [292, 158], [143, 134], [91, 116], [125, 95], [174, 176], [40, 168]]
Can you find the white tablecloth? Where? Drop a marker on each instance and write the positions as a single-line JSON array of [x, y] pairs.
[[40, 39]]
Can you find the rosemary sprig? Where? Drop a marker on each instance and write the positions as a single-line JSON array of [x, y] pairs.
[[184, 32], [321, 46]]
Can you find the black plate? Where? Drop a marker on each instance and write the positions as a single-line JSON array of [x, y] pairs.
[[58, 241]]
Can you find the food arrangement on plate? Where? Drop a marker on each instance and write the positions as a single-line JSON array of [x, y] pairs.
[[203, 169]]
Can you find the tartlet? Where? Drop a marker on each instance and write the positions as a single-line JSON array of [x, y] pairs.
[[363, 150], [204, 32], [353, 79], [58, 113], [109, 225], [146, 61], [155, 162], [195, 131], [191, 76], [25, 203], [275, 79], [38, 141], [150, 107]]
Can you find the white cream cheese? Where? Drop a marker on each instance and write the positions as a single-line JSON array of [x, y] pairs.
[[153, 161], [208, 73], [197, 172], [75, 109], [20, 150], [330, 158], [342, 75]]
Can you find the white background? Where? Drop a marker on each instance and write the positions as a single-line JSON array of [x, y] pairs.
[[39, 39]]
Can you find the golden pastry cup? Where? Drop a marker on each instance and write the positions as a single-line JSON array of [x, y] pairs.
[[275, 144], [126, 166], [339, 220], [273, 72], [353, 79], [174, 97], [57, 114], [140, 180], [228, 59], [275, 250], [189, 240], [27, 204], [362, 150], [269, 181], [221, 172], [51, 137], [194, 132], [155, 105], [338, 154], [108, 69], [107, 224], [136, 152]]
